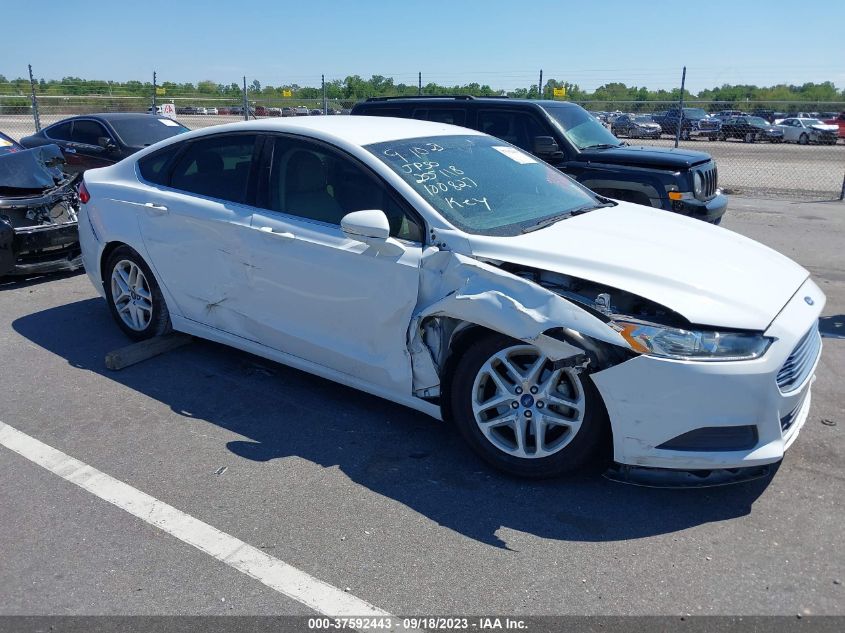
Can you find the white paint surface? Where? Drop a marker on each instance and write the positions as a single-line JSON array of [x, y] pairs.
[[274, 573]]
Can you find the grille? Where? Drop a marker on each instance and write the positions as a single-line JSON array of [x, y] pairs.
[[800, 362], [709, 180]]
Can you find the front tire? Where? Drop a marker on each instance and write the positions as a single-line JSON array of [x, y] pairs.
[[803, 139], [523, 416], [133, 295]]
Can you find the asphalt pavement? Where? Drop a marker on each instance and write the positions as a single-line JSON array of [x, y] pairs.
[[378, 501]]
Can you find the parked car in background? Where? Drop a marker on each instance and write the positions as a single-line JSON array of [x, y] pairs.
[[38, 211], [261, 110], [157, 110], [211, 110], [96, 140], [300, 111], [838, 121], [750, 129], [693, 122], [571, 139], [548, 323], [316, 112], [191, 110], [635, 126], [274, 112], [804, 131], [288, 111]]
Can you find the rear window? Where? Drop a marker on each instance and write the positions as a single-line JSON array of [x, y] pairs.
[[217, 167], [60, 131], [146, 130]]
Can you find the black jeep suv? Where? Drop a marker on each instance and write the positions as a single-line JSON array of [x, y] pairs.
[[568, 137]]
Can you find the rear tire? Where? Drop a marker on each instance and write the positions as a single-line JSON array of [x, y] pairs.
[[133, 295], [559, 422]]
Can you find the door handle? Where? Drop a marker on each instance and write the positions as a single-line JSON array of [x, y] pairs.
[[157, 209], [285, 235]]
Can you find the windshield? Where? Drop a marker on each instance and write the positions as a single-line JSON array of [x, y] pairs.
[[481, 184], [581, 129], [643, 118], [758, 122], [694, 113], [143, 131]]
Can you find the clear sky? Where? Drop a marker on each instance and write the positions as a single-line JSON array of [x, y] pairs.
[[500, 43]]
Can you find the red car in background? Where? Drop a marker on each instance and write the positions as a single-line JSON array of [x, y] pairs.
[[840, 121]]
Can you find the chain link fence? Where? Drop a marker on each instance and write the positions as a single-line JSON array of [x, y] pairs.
[[756, 154]]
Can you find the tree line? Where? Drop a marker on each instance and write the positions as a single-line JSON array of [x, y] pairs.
[[355, 87]]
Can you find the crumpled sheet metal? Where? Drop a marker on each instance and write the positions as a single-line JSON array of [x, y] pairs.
[[453, 285], [37, 168]]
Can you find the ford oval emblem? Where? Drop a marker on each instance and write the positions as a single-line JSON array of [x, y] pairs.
[[809, 300]]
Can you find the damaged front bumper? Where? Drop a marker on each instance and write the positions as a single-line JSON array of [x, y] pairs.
[[38, 249], [685, 415]]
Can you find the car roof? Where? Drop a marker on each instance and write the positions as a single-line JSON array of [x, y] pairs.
[[108, 116], [501, 101], [356, 130]]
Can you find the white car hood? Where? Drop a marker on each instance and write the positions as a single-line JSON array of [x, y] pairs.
[[826, 127], [711, 276]]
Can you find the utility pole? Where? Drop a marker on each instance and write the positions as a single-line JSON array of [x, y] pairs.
[[681, 108], [325, 103], [246, 102], [540, 85], [34, 100], [419, 83], [154, 92]]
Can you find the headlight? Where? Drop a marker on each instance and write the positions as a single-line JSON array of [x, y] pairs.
[[667, 342], [696, 184]]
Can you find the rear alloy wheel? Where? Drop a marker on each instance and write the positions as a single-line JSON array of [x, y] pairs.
[[133, 295], [521, 414], [749, 137], [685, 135]]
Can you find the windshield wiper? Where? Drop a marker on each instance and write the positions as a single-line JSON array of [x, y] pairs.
[[557, 218], [602, 146]]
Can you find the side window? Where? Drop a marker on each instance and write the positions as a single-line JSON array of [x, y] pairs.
[[517, 128], [384, 112], [311, 182], [217, 167], [453, 116], [60, 132], [153, 168], [87, 132]]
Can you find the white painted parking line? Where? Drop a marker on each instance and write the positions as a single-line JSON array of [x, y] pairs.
[[276, 574]]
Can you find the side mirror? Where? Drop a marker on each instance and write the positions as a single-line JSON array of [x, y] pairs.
[[366, 225], [546, 146], [106, 143]]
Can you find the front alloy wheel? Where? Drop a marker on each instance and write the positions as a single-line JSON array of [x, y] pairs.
[[525, 407], [521, 413]]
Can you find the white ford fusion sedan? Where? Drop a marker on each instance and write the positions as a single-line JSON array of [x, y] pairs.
[[451, 272]]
